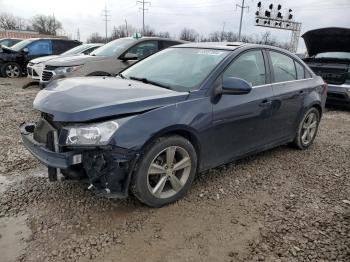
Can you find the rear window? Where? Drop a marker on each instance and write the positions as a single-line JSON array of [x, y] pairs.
[[283, 67]]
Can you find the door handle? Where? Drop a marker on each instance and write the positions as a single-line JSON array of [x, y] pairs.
[[265, 103]]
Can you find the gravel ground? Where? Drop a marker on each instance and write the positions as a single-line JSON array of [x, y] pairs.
[[280, 205]]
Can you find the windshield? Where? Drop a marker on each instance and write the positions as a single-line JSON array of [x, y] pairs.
[[76, 50], [336, 55], [112, 48], [19, 46], [180, 69]]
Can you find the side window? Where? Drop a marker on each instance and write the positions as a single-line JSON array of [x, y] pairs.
[[283, 67], [40, 47], [144, 49], [300, 70], [91, 49], [166, 44], [250, 67]]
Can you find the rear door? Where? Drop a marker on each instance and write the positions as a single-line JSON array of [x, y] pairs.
[[240, 122], [288, 93]]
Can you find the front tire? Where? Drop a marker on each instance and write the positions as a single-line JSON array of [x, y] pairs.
[[307, 129], [165, 171], [11, 70]]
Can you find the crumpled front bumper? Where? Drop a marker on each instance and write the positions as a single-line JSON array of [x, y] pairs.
[[108, 170], [43, 154]]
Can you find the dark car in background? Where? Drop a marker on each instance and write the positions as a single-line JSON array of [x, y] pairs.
[[329, 57], [35, 67], [107, 60], [14, 60], [8, 42], [183, 110]]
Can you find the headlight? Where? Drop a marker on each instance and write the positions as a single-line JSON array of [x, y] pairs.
[[91, 134], [67, 69]]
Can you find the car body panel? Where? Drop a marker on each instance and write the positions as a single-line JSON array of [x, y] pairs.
[[98, 65], [101, 97], [221, 127]]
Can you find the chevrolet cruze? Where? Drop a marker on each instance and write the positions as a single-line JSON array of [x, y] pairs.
[[181, 111]]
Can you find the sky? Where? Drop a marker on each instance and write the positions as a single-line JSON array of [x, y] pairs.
[[204, 16]]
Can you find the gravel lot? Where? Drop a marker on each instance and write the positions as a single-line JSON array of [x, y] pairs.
[[280, 205]]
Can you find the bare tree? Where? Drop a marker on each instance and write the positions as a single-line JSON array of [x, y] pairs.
[[95, 38], [149, 31], [122, 31], [163, 34], [188, 34], [46, 24], [10, 22]]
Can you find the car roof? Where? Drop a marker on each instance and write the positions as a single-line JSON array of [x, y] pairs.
[[157, 38], [50, 38], [229, 46]]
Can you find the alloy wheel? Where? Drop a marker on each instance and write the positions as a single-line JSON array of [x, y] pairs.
[[169, 172], [12, 71], [309, 128]]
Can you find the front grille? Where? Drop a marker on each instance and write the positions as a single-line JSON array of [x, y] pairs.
[[334, 76], [336, 95], [46, 76]]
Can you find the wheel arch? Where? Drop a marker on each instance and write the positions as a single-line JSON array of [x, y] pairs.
[[183, 131]]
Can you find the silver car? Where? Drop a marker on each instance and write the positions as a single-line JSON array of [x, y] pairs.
[[35, 67], [107, 60]]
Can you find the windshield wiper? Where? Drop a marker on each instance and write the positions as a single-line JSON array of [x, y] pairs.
[[147, 81]]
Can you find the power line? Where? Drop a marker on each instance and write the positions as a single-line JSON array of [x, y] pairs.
[[143, 2], [106, 14]]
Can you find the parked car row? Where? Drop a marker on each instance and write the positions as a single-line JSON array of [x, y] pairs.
[[180, 111], [36, 66], [14, 60]]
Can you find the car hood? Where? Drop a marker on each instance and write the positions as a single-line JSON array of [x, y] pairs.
[[331, 39], [84, 99], [7, 50], [43, 59], [74, 60]]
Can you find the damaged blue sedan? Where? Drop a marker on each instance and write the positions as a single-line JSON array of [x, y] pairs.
[[181, 111]]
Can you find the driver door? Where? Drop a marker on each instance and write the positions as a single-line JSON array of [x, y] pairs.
[[241, 122]]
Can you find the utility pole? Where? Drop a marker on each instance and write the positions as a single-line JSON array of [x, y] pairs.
[[106, 15], [78, 34], [223, 31], [143, 2], [240, 23], [126, 27]]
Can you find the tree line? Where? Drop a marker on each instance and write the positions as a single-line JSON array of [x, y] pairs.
[[49, 25], [44, 24], [191, 35]]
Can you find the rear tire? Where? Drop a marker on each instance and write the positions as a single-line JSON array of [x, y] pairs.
[[165, 172], [307, 129], [11, 70]]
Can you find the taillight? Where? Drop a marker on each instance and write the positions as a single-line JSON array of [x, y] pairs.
[[324, 88]]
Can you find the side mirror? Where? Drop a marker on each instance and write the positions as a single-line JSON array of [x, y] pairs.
[[130, 56], [25, 50], [235, 86]]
